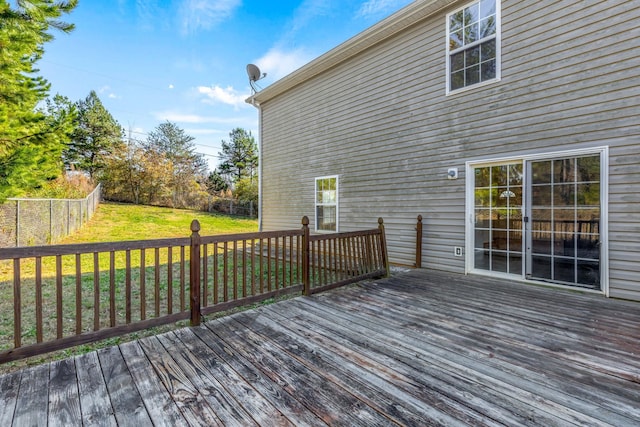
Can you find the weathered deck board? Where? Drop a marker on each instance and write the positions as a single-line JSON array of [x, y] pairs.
[[193, 403], [64, 400], [122, 391], [96, 410], [33, 398], [163, 410], [290, 407], [422, 348], [9, 386]]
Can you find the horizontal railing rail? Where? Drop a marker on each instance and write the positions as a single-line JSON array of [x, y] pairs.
[[56, 297]]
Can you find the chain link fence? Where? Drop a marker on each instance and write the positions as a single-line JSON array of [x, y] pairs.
[[31, 222], [226, 206]]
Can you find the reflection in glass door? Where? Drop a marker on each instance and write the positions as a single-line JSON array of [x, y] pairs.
[[563, 235], [540, 219], [498, 227]]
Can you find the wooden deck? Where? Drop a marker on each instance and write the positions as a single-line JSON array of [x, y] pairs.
[[420, 348]]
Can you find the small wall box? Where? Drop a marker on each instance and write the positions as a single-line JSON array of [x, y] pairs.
[[452, 173]]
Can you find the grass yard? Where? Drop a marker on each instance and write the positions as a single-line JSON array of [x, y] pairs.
[[112, 222], [115, 222]]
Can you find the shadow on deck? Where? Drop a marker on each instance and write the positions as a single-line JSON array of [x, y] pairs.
[[420, 348]]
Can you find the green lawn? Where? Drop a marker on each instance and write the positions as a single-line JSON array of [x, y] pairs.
[[116, 222]]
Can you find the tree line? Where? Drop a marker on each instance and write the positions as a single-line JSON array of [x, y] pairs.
[[41, 137]]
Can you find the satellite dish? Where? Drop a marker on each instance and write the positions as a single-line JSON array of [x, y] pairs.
[[254, 75]]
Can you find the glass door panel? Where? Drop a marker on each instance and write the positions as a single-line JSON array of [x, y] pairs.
[[498, 196], [563, 234]]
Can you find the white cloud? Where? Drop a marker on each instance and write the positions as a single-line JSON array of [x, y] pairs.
[[205, 14], [170, 86], [277, 62], [228, 95], [375, 8], [109, 93]]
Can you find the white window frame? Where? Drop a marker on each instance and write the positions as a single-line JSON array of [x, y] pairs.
[[336, 204], [498, 39], [603, 151]]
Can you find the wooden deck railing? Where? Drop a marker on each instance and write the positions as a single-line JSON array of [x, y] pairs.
[[55, 297]]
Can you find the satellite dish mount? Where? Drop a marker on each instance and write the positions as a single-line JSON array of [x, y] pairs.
[[254, 75]]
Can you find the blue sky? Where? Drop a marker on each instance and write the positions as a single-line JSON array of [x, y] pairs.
[[184, 60]]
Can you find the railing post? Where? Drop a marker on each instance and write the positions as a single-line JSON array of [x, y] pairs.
[[419, 243], [383, 246], [305, 257], [194, 274]]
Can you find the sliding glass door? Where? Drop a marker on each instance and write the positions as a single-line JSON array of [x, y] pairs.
[[539, 219]]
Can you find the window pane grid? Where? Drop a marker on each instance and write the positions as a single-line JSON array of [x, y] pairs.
[[472, 44], [326, 202]]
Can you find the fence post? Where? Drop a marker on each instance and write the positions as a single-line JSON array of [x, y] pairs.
[[17, 223], [50, 240], [305, 257], [419, 243], [194, 274], [383, 246]]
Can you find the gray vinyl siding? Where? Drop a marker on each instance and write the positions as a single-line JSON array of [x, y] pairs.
[[382, 122]]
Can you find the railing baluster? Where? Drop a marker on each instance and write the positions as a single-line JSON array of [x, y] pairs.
[[261, 266], [112, 289], [156, 281], [17, 305], [205, 275], [78, 294], [225, 270], [235, 270], [276, 258], [244, 268], [284, 262], [339, 268], [96, 292], [59, 322], [253, 267], [298, 259], [127, 285], [215, 274], [269, 264], [170, 280], [290, 260], [143, 285], [182, 278], [39, 299], [357, 241]]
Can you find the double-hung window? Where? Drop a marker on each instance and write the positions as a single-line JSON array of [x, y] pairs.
[[326, 201], [473, 44]]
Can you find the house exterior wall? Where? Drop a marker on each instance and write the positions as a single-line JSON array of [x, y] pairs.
[[382, 122]]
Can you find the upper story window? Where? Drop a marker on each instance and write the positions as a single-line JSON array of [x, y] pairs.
[[473, 44], [327, 203]]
